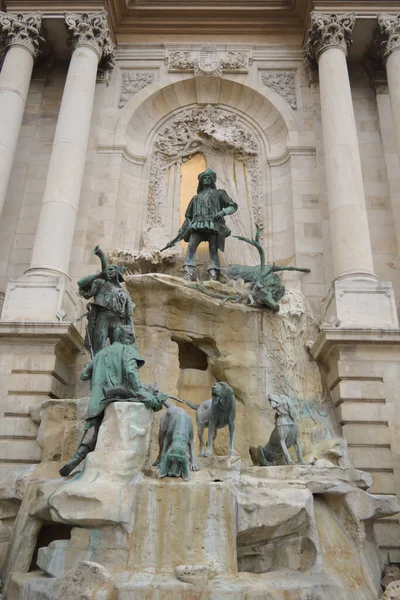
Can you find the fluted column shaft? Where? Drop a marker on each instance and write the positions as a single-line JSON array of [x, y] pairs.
[[351, 245], [56, 227], [389, 42], [23, 38]]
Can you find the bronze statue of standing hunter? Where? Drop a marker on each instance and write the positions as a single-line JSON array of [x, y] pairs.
[[205, 222]]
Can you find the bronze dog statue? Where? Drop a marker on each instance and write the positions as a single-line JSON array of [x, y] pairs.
[[176, 445], [215, 414], [284, 435]]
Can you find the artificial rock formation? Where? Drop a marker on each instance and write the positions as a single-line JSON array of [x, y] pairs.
[[231, 530], [114, 530], [190, 341]]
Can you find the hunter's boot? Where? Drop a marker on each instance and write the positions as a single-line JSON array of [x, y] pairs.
[[77, 458], [189, 272]]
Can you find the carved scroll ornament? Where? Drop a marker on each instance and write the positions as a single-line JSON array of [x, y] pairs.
[[388, 34], [91, 30], [328, 30], [22, 30]]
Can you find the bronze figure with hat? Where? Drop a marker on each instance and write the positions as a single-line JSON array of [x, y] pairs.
[[205, 222]]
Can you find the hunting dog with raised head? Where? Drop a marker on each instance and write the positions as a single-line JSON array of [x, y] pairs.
[[284, 435]]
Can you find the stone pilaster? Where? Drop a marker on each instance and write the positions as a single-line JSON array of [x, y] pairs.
[[22, 39]]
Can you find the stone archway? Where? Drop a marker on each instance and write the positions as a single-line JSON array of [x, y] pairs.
[[253, 129]]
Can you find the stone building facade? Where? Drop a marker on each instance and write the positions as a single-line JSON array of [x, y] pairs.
[[296, 106]]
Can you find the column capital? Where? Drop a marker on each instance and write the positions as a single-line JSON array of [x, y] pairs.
[[91, 30], [22, 30], [328, 31], [387, 35]]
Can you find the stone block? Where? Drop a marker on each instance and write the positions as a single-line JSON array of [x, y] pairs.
[[40, 298], [358, 390], [357, 303], [384, 483], [388, 533], [369, 457], [360, 433], [36, 383], [17, 427], [394, 556], [101, 494], [108, 546], [362, 412], [29, 362], [19, 451]]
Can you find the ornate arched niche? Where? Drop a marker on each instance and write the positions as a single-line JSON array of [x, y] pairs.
[[222, 140], [244, 138]]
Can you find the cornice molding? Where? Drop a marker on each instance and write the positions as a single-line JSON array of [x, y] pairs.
[[329, 339], [360, 7], [184, 16]]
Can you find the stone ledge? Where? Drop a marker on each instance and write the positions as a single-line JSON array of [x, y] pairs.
[[329, 337], [12, 331]]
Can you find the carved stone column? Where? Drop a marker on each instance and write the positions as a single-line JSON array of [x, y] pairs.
[[356, 298], [388, 42], [89, 38], [22, 40], [329, 38]]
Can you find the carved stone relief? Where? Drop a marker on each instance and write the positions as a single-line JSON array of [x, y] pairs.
[[132, 83], [208, 61], [208, 64], [283, 84], [227, 145], [180, 61]]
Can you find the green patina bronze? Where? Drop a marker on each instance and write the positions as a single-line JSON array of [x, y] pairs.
[[112, 305], [266, 288], [284, 435], [114, 375], [204, 222], [176, 447]]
